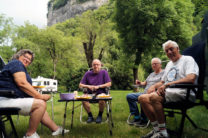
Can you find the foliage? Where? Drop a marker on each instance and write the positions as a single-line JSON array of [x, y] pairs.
[[201, 7], [81, 1], [145, 25], [6, 30], [57, 3]]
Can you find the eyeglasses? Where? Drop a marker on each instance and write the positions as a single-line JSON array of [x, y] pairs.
[[29, 59], [171, 49], [95, 64]]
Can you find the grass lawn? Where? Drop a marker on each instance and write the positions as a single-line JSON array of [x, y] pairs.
[[120, 112]]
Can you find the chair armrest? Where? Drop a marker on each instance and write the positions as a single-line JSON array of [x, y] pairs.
[[189, 87], [186, 85], [7, 93]]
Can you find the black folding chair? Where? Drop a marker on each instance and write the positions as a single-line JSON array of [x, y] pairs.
[[6, 113], [197, 51]]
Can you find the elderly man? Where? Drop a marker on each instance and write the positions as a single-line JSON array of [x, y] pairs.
[[132, 98], [181, 69], [95, 81]]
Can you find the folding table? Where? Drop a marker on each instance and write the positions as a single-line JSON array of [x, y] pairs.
[[108, 111]]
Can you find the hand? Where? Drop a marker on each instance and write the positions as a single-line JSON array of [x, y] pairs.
[[138, 82], [91, 87], [96, 87], [46, 97], [161, 90], [151, 89]]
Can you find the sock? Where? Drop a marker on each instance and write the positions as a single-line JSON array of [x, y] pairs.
[[155, 126], [163, 129], [90, 114], [136, 117], [100, 113]]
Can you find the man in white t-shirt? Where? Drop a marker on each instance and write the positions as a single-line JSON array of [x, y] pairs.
[[181, 69]]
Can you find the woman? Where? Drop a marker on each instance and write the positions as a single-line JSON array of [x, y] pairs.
[[14, 76]]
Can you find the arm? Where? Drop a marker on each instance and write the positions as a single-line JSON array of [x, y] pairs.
[[190, 78], [144, 83], [93, 87], [154, 87], [22, 83]]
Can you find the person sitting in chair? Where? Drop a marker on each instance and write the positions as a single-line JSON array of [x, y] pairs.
[[95, 81], [181, 69], [14, 76], [132, 98]]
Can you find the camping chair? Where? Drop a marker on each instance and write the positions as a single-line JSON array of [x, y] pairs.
[[107, 90], [6, 113], [130, 115], [197, 51]]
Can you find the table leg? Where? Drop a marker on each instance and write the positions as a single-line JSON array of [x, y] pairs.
[[109, 117], [110, 110], [52, 112], [64, 118], [72, 115]]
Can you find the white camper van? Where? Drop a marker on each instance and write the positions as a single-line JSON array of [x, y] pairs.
[[50, 85]]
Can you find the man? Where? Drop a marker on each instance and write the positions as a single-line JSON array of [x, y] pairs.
[[95, 81], [14, 76], [132, 98], [181, 69]]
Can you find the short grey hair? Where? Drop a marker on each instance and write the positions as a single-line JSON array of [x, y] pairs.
[[96, 60], [156, 58], [173, 43], [23, 52]]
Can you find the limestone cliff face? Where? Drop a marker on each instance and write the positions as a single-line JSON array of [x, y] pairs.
[[71, 9]]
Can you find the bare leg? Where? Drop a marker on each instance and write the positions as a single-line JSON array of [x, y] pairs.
[[101, 105], [46, 120], [36, 114], [147, 107], [86, 106], [157, 101]]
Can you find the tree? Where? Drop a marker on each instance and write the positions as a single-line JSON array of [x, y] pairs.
[[144, 25]]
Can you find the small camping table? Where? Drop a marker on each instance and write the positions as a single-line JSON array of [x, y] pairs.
[[109, 111]]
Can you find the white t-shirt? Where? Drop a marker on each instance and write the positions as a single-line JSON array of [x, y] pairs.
[[178, 70]]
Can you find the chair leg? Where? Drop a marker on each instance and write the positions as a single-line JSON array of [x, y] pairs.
[[182, 123], [2, 130], [12, 125]]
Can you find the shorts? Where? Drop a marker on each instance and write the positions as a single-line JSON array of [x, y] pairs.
[[25, 104], [176, 94]]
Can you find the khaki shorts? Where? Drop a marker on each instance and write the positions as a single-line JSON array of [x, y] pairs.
[[25, 104], [175, 95]]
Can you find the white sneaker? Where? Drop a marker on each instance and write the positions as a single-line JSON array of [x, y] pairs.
[[159, 135], [59, 131], [34, 135]]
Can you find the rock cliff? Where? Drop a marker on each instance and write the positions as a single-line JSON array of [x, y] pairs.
[[71, 9]]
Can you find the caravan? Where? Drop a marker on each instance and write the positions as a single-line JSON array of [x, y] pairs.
[[49, 85]]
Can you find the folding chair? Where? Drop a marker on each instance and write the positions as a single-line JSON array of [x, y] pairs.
[[6, 113], [197, 51], [107, 90], [93, 103]]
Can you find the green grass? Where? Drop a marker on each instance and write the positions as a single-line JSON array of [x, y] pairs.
[[120, 112]]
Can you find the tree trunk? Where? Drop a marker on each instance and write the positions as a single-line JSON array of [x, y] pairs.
[[135, 75], [88, 48], [101, 54]]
